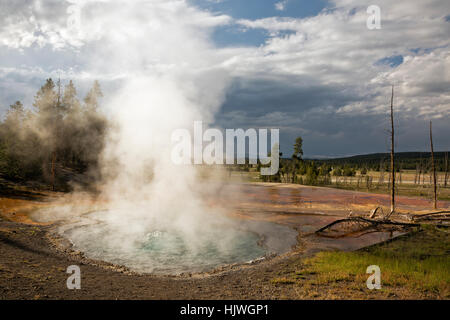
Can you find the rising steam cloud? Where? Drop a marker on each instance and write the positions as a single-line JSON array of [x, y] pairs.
[[166, 76], [170, 78]]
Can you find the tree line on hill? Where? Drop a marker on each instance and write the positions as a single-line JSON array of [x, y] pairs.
[[320, 171], [378, 161]]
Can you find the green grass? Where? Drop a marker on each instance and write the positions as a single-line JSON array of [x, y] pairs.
[[414, 265], [408, 190], [420, 261], [403, 189]]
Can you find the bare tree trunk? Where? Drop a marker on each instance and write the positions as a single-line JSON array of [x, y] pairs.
[[433, 168], [392, 156]]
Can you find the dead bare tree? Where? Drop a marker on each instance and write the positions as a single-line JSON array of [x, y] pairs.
[[433, 168], [392, 157]]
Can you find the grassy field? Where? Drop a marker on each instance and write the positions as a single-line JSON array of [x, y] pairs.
[[414, 264], [410, 190], [405, 185], [404, 188]]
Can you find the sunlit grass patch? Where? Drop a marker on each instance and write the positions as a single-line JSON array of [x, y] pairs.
[[420, 261]]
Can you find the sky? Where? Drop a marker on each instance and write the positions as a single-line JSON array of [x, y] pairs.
[[310, 68]]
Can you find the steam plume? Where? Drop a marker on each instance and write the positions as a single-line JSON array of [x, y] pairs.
[[167, 77]]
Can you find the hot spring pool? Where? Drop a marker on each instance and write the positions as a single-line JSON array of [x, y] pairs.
[[165, 251]]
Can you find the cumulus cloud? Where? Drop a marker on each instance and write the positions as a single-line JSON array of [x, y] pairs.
[[74, 22]]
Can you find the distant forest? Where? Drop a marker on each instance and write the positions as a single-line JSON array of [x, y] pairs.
[[404, 160]]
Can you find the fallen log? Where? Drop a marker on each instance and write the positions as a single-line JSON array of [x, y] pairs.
[[355, 225], [431, 214]]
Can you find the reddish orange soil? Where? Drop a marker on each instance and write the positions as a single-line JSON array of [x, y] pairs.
[[304, 198]]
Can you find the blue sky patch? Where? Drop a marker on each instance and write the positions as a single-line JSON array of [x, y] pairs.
[[234, 35], [252, 10], [392, 61], [258, 9]]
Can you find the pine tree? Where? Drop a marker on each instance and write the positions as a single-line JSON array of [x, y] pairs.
[[298, 149], [70, 100], [46, 98], [91, 99], [47, 102], [15, 114]]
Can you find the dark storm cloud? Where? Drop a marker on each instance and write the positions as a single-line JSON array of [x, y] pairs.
[[312, 112], [290, 93]]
